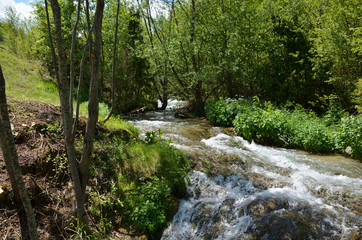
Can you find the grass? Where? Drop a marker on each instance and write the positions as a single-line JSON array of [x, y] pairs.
[[25, 79]]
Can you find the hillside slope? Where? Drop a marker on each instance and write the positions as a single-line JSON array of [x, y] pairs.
[[27, 79]]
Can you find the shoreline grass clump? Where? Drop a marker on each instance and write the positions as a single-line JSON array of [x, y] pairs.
[[264, 123], [143, 180]]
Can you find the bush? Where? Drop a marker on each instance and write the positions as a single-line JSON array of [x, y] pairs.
[[223, 112], [297, 128], [147, 205], [141, 183], [349, 136], [280, 127], [265, 125]]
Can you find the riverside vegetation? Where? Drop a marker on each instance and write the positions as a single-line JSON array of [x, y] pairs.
[[135, 184], [290, 125]]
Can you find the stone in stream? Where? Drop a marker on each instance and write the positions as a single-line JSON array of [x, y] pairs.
[[275, 219]]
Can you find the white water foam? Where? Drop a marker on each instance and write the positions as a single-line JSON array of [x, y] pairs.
[[301, 174], [172, 104]]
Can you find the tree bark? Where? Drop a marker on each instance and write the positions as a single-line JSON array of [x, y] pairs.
[[63, 88], [71, 83], [11, 160], [199, 103], [93, 96], [54, 58], [113, 66], [81, 80]]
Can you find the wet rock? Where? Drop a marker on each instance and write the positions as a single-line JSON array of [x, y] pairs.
[[261, 206], [226, 209], [182, 115], [274, 227], [271, 222]]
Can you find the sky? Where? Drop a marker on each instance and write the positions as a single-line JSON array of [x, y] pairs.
[[23, 7]]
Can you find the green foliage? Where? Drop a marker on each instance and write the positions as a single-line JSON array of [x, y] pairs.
[[16, 34], [133, 83], [147, 205], [358, 95], [293, 126], [153, 137], [79, 231], [223, 112], [103, 110], [348, 136], [280, 127], [143, 180], [334, 114], [53, 131]]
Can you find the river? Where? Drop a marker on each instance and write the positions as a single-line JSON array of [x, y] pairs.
[[242, 190]]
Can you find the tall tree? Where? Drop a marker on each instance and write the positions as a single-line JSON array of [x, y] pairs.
[[79, 169]]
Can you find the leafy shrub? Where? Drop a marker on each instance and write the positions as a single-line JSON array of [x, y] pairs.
[[141, 181], [280, 127], [349, 136], [223, 112], [264, 125], [154, 136], [289, 126], [334, 115], [147, 205]]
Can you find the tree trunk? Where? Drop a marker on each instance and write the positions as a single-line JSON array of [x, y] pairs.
[[71, 83], [79, 170], [113, 66], [93, 96], [80, 81], [11, 160], [199, 103], [63, 88]]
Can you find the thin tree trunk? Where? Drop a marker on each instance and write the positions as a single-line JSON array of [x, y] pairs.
[[11, 160], [80, 81], [90, 33], [113, 66], [71, 83], [63, 88], [54, 58], [199, 103], [79, 171], [93, 109]]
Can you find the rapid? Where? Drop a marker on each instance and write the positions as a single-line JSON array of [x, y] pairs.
[[242, 190]]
